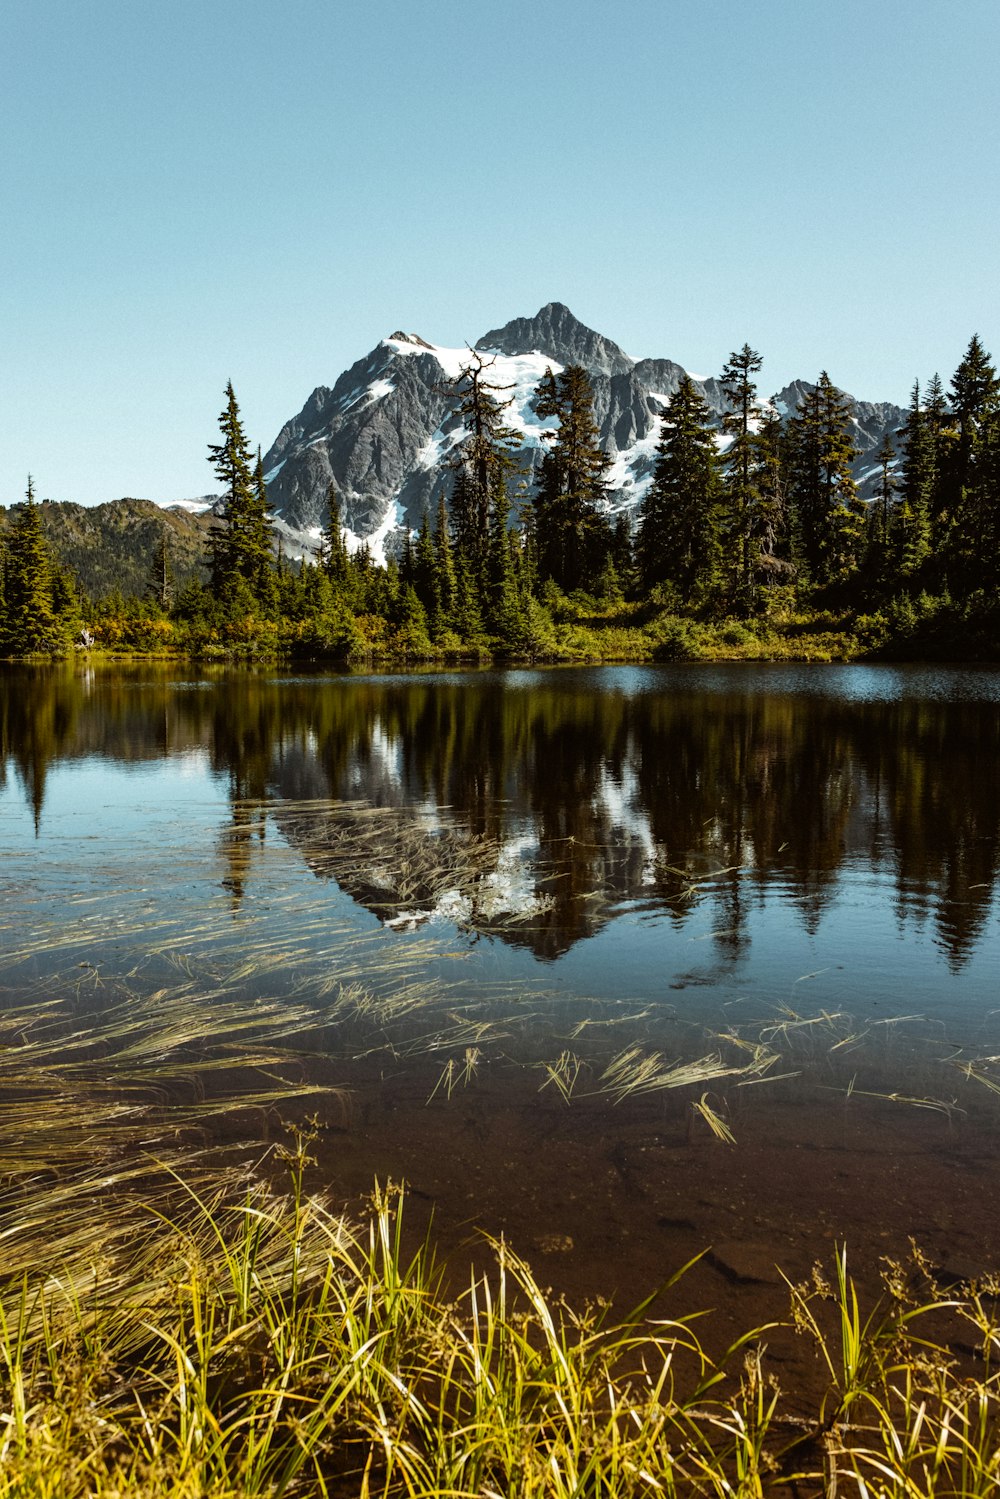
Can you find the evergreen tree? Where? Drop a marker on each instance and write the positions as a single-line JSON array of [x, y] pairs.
[[972, 542], [975, 393], [571, 532], [678, 538], [881, 513], [444, 573], [467, 615], [242, 547], [828, 513], [505, 605], [333, 554], [942, 438], [31, 624], [424, 570], [773, 445], [622, 553], [160, 587], [743, 466], [259, 544], [484, 459], [909, 527]]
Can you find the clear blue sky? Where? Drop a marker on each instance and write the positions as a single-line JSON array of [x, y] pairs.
[[193, 192]]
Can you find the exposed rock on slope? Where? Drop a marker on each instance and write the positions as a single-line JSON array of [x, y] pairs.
[[385, 431]]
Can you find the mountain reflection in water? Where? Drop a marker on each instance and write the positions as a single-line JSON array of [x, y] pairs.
[[538, 805], [552, 937]]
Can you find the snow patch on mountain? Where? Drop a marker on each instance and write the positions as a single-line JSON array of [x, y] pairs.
[[386, 432], [193, 507], [375, 540]]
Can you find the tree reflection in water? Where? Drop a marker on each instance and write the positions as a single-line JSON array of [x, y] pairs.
[[539, 804]]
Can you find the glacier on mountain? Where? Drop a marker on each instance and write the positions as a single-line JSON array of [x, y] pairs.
[[385, 433]]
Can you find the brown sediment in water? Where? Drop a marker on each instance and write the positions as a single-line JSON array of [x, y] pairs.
[[608, 1201]]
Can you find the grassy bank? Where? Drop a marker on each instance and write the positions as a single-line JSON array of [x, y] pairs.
[[583, 627], [186, 1313], [253, 1342]]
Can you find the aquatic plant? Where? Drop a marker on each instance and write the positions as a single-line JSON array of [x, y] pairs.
[[255, 1342]]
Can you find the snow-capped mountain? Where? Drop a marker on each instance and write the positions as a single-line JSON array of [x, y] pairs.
[[385, 431]]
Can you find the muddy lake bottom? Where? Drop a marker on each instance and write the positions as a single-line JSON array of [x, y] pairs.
[[607, 1202]]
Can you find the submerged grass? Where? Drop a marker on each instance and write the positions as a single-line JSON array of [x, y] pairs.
[[257, 1343], [171, 1322]]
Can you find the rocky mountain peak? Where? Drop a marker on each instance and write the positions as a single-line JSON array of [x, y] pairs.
[[561, 337], [409, 338], [385, 433]]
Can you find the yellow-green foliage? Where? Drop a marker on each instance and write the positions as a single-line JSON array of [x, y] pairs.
[[263, 1345]]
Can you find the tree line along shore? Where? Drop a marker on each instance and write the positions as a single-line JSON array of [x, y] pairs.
[[751, 541]]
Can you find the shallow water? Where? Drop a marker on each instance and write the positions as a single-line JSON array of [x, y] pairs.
[[530, 865]]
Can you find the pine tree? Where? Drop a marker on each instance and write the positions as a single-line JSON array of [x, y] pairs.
[[881, 513], [571, 531], [828, 513], [678, 539], [943, 437], [242, 547], [444, 573], [909, 526], [160, 587], [31, 624], [484, 460], [743, 467], [333, 554], [505, 605], [467, 615], [972, 542], [773, 445], [259, 545], [424, 571]]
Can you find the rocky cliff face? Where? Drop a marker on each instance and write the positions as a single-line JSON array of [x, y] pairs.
[[385, 431]]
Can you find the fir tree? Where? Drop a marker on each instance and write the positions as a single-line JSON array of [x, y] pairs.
[[505, 613], [468, 618], [444, 572], [972, 542], [773, 445], [881, 513], [909, 524], [160, 587], [828, 513], [484, 459], [743, 467], [571, 532], [333, 554], [424, 570], [31, 624], [942, 437], [678, 538], [242, 546]]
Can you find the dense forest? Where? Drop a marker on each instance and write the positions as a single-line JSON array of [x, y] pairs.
[[749, 541]]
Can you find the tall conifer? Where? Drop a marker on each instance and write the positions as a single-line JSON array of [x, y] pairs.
[[242, 544], [571, 530], [743, 470], [678, 539], [31, 624], [829, 515]]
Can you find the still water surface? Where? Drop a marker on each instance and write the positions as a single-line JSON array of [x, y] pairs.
[[572, 862]]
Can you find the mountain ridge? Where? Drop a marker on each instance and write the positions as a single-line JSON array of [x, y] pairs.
[[383, 433]]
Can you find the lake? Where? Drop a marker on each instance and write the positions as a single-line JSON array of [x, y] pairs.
[[620, 963]]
